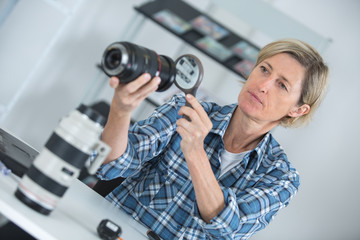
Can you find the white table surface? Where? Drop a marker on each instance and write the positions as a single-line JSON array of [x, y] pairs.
[[76, 216]]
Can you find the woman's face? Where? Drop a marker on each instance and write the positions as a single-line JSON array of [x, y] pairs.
[[273, 89]]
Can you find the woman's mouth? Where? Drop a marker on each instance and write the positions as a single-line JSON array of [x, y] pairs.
[[255, 97]]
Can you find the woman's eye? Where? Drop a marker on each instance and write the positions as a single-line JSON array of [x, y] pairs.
[[263, 69], [283, 86]]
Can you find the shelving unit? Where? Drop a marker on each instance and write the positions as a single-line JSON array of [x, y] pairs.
[[201, 31]]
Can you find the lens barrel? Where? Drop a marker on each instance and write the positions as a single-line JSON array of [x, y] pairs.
[[65, 154], [127, 61]]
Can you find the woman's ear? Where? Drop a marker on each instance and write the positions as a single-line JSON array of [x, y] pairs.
[[299, 110]]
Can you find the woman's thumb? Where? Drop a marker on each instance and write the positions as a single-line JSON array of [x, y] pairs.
[[114, 82]]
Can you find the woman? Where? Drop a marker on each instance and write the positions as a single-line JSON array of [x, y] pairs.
[[220, 175]]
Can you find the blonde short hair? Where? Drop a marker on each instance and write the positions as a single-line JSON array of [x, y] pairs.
[[316, 75]]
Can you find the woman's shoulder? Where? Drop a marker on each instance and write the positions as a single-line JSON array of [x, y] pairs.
[[277, 156]]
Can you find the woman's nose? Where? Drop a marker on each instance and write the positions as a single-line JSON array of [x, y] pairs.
[[265, 84]]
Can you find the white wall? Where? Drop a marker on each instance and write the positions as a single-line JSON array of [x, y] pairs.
[[326, 152], [47, 62]]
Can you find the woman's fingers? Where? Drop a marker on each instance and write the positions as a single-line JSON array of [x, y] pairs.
[[196, 111], [200, 123], [148, 88], [114, 82], [128, 96], [141, 81]]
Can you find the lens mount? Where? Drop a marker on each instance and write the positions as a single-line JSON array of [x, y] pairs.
[[167, 73], [115, 59]]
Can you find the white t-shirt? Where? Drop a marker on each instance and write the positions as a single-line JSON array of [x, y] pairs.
[[230, 160]]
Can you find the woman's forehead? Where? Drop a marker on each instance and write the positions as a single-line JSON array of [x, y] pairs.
[[286, 66]]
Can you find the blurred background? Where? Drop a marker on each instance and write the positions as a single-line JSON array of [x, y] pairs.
[[50, 49]]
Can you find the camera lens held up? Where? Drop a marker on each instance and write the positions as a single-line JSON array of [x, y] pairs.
[[60, 162], [127, 61]]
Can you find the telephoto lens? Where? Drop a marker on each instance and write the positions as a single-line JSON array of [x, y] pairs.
[[128, 61], [65, 154]]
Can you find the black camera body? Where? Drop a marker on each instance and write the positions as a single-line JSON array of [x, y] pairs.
[[128, 61]]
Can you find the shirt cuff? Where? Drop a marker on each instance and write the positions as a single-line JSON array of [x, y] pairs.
[[120, 167], [226, 222]]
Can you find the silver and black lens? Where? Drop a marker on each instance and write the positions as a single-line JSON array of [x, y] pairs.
[[65, 154]]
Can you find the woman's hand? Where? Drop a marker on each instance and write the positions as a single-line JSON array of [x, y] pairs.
[[193, 132], [128, 96], [209, 196]]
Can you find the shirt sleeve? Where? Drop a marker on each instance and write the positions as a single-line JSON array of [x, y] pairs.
[[250, 210], [146, 140]]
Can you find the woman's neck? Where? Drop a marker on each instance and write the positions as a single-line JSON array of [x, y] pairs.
[[243, 133]]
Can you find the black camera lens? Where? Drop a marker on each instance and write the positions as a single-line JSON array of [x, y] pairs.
[[113, 59], [128, 61]]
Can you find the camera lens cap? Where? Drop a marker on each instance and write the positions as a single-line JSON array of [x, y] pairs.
[[189, 73]]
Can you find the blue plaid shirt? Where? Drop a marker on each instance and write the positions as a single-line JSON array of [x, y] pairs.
[[159, 193]]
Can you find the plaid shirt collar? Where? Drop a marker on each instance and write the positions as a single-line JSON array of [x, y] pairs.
[[221, 120]]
